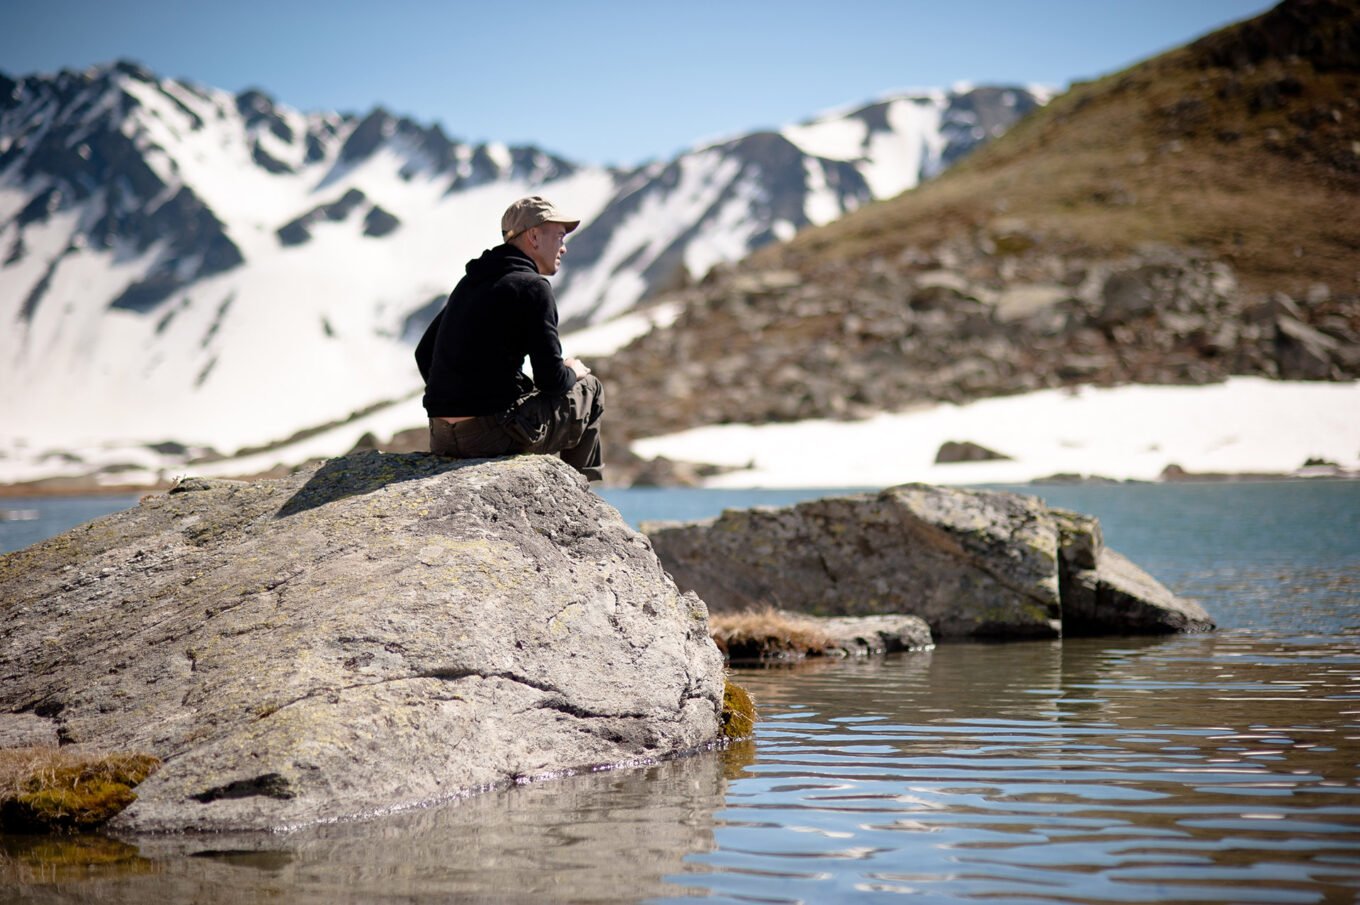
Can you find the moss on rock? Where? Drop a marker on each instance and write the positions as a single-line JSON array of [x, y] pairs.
[[47, 789], [738, 713]]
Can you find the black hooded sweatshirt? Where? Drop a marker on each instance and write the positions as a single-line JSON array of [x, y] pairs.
[[471, 355]]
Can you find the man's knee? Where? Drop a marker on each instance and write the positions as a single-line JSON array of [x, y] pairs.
[[593, 386], [592, 397]]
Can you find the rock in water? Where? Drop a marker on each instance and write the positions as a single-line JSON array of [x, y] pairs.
[[384, 631], [1117, 597], [859, 636], [972, 564]]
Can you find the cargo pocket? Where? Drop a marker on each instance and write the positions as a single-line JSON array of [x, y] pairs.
[[528, 422]]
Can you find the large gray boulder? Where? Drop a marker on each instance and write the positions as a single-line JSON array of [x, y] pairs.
[[972, 564], [382, 632]]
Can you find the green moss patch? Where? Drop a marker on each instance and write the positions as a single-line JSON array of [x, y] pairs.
[[51, 790], [738, 713]]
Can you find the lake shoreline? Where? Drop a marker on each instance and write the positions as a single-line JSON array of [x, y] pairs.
[[67, 488], [1089, 766]]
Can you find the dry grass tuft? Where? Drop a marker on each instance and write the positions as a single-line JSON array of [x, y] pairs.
[[767, 634], [47, 789]]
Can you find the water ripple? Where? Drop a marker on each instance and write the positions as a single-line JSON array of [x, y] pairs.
[[1081, 771]]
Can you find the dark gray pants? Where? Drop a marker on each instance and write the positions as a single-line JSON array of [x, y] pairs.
[[568, 425]]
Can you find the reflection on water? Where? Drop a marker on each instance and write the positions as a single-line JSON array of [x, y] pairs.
[[591, 838], [1205, 768], [1216, 768]]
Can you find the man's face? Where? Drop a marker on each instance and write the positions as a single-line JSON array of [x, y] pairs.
[[547, 245]]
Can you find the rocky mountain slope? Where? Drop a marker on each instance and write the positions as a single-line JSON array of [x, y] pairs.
[[671, 223], [1193, 217], [187, 269]]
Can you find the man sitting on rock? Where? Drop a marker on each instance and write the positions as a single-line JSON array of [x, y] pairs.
[[478, 398]]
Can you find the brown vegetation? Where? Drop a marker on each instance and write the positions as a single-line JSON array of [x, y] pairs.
[[767, 634]]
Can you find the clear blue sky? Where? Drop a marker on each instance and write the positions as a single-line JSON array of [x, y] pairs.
[[597, 81]]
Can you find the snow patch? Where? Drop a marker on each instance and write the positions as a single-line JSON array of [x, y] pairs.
[[833, 139], [607, 338], [1245, 425], [822, 204]]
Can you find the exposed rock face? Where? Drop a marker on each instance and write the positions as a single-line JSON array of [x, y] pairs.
[[972, 564], [297, 231], [966, 451], [383, 631], [379, 222]]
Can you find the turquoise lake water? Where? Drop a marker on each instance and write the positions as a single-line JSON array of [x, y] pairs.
[[1207, 768]]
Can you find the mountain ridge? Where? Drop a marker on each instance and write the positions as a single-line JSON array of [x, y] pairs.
[[223, 271], [1244, 87]]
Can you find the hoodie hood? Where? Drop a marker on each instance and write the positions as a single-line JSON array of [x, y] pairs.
[[498, 261]]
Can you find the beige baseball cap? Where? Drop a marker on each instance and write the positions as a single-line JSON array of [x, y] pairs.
[[526, 213]]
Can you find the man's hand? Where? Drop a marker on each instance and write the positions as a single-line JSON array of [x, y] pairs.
[[577, 366]]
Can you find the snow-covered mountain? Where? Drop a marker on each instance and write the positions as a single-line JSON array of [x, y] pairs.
[[671, 222], [178, 263], [183, 264]]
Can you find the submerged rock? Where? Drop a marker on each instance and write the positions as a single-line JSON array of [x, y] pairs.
[[381, 632], [972, 564]]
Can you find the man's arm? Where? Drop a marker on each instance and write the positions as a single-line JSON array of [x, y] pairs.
[[425, 348], [552, 375]]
